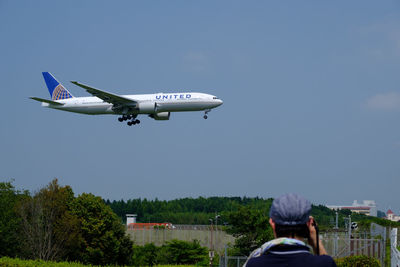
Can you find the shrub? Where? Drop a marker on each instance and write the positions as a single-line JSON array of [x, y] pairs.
[[357, 261], [11, 262]]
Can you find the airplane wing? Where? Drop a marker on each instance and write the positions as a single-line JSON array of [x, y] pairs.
[[107, 97], [46, 101]]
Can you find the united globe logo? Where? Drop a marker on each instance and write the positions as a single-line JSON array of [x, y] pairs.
[[60, 93]]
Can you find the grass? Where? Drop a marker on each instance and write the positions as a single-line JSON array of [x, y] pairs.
[[388, 253], [11, 262]]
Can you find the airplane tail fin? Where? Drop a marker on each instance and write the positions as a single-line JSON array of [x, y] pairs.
[[57, 90]]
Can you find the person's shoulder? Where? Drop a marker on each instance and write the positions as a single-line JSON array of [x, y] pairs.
[[302, 259], [254, 262]]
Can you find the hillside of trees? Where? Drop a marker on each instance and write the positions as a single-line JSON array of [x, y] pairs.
[[200, 210]]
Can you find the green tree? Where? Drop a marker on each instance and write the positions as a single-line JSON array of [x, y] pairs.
[[250, 227], [104, 239], [9, 221], [145, 255], [49, 230], [182, 252]]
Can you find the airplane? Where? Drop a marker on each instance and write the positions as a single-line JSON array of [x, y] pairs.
[[157, 106]]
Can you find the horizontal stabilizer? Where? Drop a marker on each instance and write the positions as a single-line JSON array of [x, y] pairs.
[[46, 101]]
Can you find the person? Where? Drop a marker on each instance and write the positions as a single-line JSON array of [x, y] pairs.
[[291, 223]]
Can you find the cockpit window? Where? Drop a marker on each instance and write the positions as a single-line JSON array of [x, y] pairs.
[[215, 97]]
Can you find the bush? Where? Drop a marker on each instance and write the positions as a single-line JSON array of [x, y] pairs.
[[10, 262], [144, 255], [357, 261], [183, 252], [173, 252]]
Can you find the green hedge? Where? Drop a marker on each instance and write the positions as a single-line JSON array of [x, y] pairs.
[[357, 261], [10, 262]]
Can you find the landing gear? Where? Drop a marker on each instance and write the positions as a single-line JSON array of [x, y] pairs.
[[126, 117], [205, 113], [133, 122], [132, 119]]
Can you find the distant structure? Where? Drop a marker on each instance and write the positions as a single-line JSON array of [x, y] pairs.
[[142, 226], [391, 216], [367, 207], [130, 218]]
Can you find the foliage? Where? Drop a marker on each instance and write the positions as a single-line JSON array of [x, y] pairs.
[[173, 252], [144, 255], [388, 252], [9, 221], [367, 220], [54, 225], [182, 211], [11, 262], [200, 210], [250, 227], [104, 239], [49, 230], [357, 261], [181, 252]]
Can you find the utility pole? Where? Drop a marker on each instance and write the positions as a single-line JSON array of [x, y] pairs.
[[211, 252], [216, 230], [349, 234], [349, 226], [335, 243]]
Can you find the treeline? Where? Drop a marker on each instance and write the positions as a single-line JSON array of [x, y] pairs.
[[185, 210], [53, 224], [200, 210]]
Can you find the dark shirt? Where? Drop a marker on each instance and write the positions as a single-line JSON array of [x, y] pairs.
[[291, 256]]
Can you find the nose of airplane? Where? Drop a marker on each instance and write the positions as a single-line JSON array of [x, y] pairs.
[[219, 102]]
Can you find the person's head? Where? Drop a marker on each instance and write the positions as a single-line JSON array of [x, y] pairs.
[[289, 216]]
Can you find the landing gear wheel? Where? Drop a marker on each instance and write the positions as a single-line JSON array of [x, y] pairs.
[[205, 113], [120, 119], [138, 121], [129, 123]]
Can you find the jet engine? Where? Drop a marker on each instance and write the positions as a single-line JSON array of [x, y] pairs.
[[147, 107], [161, 116]]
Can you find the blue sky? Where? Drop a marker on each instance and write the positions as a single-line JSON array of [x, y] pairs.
[[311, 94]]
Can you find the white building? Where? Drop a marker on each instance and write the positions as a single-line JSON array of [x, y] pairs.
[[130, 218], [391, 216], [367, 207]]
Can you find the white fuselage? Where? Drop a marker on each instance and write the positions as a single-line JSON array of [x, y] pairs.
[[162, 102]]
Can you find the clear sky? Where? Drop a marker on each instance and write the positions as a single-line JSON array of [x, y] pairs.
[[311, 93]]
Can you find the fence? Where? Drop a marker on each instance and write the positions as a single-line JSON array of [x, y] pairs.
[[232, 261], [342, 244], [356, 246], [211, 237], [395, 254], [338, 246]]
